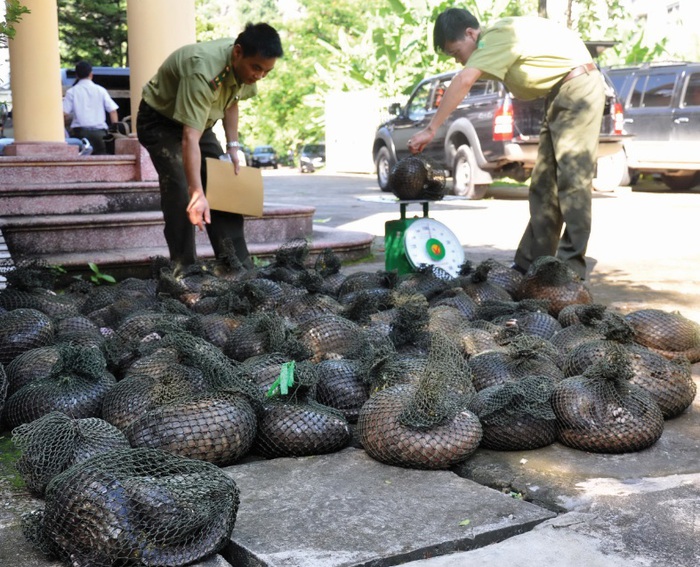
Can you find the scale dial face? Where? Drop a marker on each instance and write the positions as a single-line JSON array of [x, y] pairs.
[[428, 241]]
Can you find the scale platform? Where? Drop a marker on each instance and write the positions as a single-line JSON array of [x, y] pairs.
[[413, 242]]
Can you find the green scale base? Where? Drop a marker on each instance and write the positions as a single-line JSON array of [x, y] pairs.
[[395, 258]]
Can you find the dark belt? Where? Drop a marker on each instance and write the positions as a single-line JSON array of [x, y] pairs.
[[580, 70]]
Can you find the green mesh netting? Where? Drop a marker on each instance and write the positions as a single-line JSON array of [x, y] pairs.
[[602, 412], [343, 385], [417, 177], [217, 427], [476, 284], [669, 382], [76, 385], [136, 506], [22, 330], [551, 279], [518, 415], [55, 442], [426, 424]]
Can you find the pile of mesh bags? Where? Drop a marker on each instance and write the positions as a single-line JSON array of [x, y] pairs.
[[130, 397]]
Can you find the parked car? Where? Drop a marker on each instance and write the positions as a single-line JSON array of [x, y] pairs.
[[312, 157], [264, 156], [489, 135], [662, 112]]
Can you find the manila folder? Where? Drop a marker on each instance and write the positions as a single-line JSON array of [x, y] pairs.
[[226, 191]]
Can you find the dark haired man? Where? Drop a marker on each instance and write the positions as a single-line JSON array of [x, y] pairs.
[[196, 86], [535, 57], [85, 105]]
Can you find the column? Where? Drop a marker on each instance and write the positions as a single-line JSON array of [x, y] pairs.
[[156, 28], [37, 111]]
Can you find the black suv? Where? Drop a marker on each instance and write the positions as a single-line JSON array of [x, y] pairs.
[[662, 112], [489, 135]]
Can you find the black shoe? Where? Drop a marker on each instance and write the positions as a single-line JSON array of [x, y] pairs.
[[517, 268]]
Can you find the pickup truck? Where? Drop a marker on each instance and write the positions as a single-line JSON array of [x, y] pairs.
[[489, 135]]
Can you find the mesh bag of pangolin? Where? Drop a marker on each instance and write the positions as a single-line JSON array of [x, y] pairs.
[[669, 334], [424, 425], [135, 507], [603, 412], [53, 443], [417, 178], [517, 415], [292, 423], [76, 385]]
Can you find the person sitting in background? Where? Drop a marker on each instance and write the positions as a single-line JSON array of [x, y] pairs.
[[86, 105]]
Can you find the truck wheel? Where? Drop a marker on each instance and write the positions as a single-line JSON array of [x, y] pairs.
[[384, 165], [611, 172], [681, 182], [463, 175]]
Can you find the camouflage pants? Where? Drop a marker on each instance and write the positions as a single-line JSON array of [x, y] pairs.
[[162, 138], [561, 183]]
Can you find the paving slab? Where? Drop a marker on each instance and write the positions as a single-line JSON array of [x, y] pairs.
[[348, 510]]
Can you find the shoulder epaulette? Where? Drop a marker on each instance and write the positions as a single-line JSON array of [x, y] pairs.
[[215, 83]]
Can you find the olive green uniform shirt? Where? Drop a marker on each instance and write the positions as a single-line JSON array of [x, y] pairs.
[[196, 84], [529, 55]]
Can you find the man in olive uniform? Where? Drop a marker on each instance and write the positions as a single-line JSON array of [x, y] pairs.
[[535, 57], [195, 87]]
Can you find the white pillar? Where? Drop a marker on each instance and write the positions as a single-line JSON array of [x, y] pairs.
[[156, 28]]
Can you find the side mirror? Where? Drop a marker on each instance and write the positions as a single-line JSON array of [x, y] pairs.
[[395, 109]]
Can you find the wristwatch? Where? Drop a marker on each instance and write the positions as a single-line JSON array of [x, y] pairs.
[[230, 145]]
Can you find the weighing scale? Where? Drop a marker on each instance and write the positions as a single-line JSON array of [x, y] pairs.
[[412, 242]]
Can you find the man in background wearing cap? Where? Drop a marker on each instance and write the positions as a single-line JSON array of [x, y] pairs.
[[86, 105], [535, 57], [196, 86]]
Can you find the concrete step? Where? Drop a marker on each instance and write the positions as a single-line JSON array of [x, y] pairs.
[[27, 199], [347, 510], [349, 246], [78, 169], [38, 235]]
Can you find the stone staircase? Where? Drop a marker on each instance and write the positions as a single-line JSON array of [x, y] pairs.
[[71, 211]]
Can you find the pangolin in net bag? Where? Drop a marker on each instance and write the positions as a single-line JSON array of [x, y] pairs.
[[29, 366], [505, 276], [76, 385], [427, 280], [603, 412], [530, 315], [517, 416], [519, 359], [217, 427], [550, 278], [135, 507], [669, 334], [55, 442], [107, 306], [476, 284], [77, 329], [22, 330], [259, 333], [426, 425], [343, 385], [416, 177], [456, 297], [292, 423], [332, 336], [582, 313], [592, 324], [668, 382]]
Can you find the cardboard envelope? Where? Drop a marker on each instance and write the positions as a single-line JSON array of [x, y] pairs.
[[226, 191]]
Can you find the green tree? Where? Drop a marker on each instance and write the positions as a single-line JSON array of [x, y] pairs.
[[13, 14], [94, 30]]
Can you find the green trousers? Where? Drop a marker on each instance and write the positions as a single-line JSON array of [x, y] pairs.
[[162, 138], [561, 183]]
